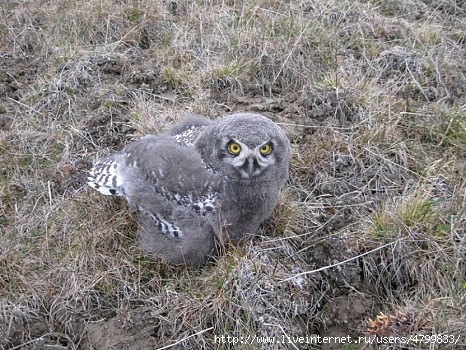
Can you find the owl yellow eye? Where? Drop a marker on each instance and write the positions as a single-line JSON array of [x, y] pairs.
[[265, 149], [234, 148]]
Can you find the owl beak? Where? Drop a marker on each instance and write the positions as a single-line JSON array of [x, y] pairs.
[[250, 165]]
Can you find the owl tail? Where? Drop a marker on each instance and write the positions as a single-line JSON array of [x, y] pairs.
[[105, 178]]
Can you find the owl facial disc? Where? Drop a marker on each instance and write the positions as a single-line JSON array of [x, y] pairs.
[[249, 162]]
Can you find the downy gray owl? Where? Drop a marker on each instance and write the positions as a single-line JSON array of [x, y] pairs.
[[200, 185]]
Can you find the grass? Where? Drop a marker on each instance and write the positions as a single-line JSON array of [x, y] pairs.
[[372, 96]]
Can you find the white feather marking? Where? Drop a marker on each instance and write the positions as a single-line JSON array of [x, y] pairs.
[[189, 136], [105, 178], [165, 227]]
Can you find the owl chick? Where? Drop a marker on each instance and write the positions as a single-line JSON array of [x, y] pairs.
[[200, 185]]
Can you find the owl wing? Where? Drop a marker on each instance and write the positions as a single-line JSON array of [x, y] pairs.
[[187, 132], [161, 178]]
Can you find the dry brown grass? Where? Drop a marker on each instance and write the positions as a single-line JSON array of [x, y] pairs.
[[369, 234]]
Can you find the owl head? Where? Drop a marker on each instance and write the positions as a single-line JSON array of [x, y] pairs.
[[249, 147]]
